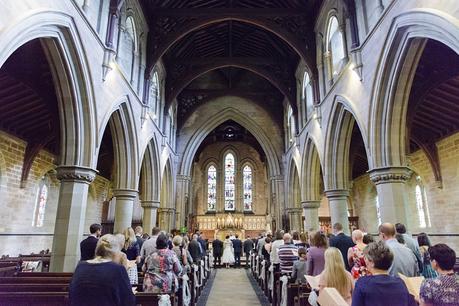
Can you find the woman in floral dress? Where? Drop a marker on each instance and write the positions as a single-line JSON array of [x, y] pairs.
[[161, 268], [355, 256]]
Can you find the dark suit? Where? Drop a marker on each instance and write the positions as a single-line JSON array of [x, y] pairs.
[[195, 250], [237, 247], [342, 243], [203, 246], [88, 248], [248, 246], [217, 251]]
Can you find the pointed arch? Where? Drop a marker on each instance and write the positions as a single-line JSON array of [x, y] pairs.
[[150, 178], [311, 172], [65, 52], [242, 119], [125, 145], [404, 44], [337, 144]]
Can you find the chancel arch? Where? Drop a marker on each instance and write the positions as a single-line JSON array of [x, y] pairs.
[[166, 216]]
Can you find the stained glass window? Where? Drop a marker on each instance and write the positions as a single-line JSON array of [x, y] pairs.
[[421, 204], [247, 184], [40, 207], [378, 211], [229, 182], [211, 188], [154, 93]]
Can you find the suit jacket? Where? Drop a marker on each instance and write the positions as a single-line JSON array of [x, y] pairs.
[[342, 243], [237, 245], [248, 246], [203, 246], [195, 250], [217, 248], [88, 248]]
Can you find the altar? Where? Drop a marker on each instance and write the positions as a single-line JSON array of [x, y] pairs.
[[228, 224]]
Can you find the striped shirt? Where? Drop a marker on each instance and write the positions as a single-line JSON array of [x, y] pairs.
[[288, 254]]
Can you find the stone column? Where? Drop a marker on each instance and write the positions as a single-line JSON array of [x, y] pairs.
[[123, 208], [311, 215], [70, 217], [150, 211], [277, 203], [183, 183], [390, 185], [295, 219], [338, 207]]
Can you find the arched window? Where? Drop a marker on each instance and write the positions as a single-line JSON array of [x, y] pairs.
[[307, 94], [378, 210], [229, 182], [211, 188], [335, 46], [421, 204], [290, 125], [40, 204], [131, 47], [154, 93], [247, 188]]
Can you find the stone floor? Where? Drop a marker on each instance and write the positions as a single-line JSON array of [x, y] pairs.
[[232, 287]]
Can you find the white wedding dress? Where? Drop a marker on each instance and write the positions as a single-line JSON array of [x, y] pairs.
[[228, 255]]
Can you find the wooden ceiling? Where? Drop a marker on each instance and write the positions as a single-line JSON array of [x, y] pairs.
[[28, 104], [262, 38]]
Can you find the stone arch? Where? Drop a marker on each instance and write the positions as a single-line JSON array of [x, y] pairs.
[[337, 144], [150, 178], [125, 144], [311, 171], [398, 63], [61, 41], [167, 208], [244, 120], [293, 212]]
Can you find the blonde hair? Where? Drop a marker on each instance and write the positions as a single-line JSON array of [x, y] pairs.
[[129, 238], [334, 272], [177, 241], [107, 246]]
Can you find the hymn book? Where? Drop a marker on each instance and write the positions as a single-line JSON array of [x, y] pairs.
[[313, 281], [413, 284], [331, 297]]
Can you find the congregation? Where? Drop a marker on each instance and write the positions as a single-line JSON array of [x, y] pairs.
[[363, 271]]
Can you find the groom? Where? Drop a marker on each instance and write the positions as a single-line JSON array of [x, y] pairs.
[[237, 247]]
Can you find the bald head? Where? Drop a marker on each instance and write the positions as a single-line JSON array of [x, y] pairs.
[[387, 230], [287, 238]]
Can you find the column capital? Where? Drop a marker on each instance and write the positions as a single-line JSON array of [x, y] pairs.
[[337, 193], [311, 204], [276, 178], [183, 177], [293, 210], [385, 175], [125, 193], [150, 204], [76, 173]]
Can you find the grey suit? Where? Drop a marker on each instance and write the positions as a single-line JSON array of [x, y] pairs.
[[299, 271], [404, 260]]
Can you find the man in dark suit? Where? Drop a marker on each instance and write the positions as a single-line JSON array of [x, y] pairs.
[[342, 242], [237, 247], [203, 244], [248, 246], [88, 246], [195, 249], [217, 251]]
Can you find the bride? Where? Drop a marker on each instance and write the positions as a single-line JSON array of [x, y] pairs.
[[228, 255]]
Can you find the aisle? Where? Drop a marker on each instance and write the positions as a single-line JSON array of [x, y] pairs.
[[232, 287]]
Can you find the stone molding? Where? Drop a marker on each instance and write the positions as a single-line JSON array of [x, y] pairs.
[[150, 204], [293, 210], [76, 173], [337, 193], [311, 204], [183, 177], [125, 193], [386, 175]]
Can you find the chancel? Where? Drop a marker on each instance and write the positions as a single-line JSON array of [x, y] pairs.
[[284, 152]]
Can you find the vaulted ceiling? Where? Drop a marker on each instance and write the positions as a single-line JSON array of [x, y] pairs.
[[223, 44]]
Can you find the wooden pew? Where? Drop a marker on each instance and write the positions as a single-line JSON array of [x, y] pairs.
[[34, 287], [34, 299], [35, 280], [152, 299], [295, 290], [276, 285], [45, 274]]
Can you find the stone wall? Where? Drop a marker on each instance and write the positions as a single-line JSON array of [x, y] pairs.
[[17, 234]]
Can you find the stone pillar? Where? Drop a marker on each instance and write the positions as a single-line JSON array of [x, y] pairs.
[[183, 183], [295, 219], [390, 185], [70, 217], [338, 207], [311, 215], [277, 203], [150, 211], [123, 208]]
